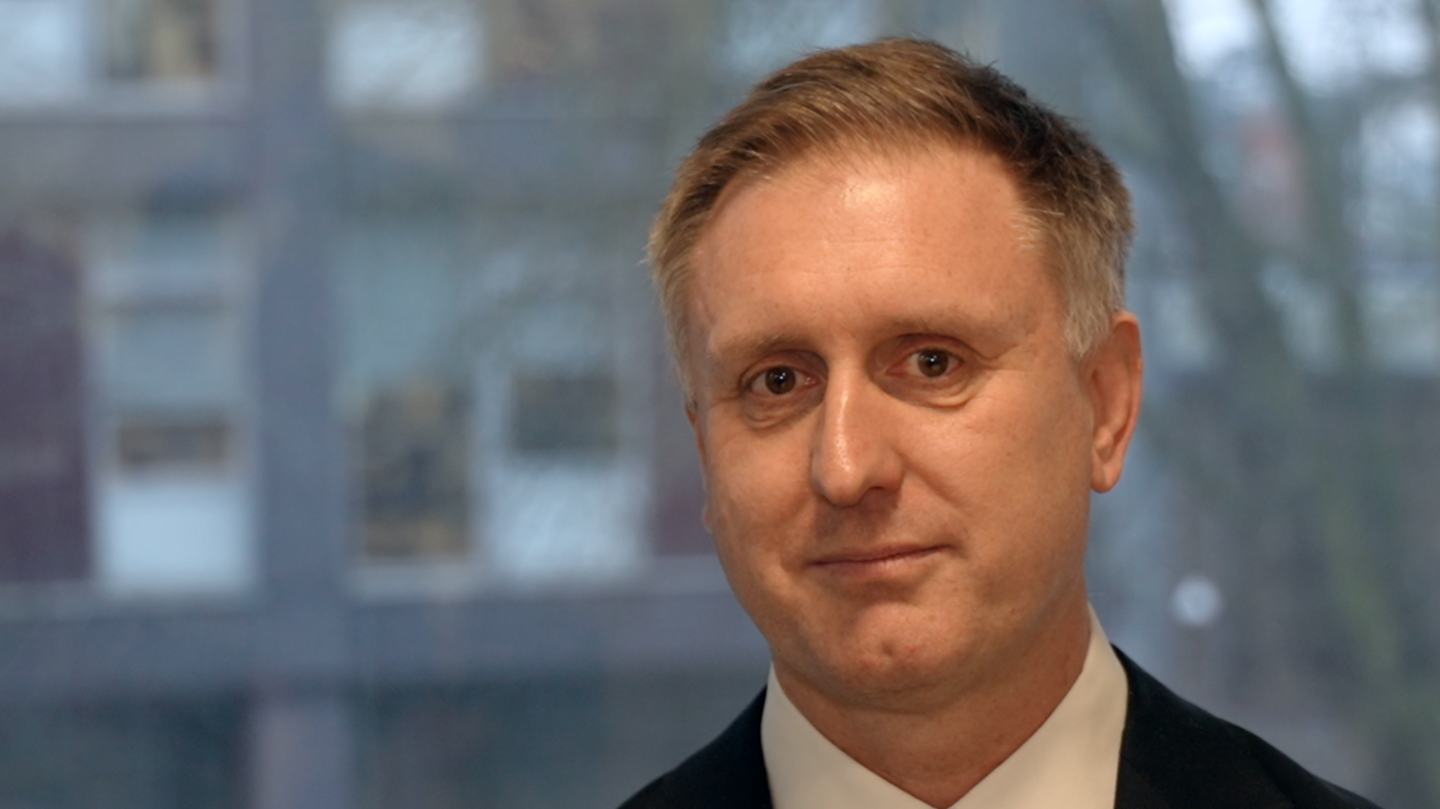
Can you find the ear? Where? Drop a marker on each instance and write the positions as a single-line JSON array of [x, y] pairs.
[[1113, 378]]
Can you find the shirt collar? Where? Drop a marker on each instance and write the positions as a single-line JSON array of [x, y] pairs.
[[1072, 760]]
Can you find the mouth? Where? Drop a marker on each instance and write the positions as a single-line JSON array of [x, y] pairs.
[[875, 561]]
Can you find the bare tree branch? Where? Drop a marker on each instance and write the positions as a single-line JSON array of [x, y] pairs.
[[1292, 454]]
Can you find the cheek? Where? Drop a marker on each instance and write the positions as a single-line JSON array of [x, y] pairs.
[[744, 491], [746, 520], [1044, 424], [756, 504], [744, 511], [747, 472], [1017, 463], [1050, 487]]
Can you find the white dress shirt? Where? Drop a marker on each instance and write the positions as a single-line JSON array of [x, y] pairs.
[[1072, 760]]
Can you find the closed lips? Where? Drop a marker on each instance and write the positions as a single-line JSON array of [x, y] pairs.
[[879, 556]]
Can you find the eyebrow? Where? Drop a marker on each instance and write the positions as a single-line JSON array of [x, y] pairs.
[[745, 348], [748, 347], [939, 325]]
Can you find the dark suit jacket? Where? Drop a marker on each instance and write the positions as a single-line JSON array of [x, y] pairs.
[[1172, 756]]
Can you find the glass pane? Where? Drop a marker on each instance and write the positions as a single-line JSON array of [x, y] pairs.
[[160, 40], [416, 471], [405, 381], [405, 54], [147, 443], [174, 535], [403, 293], [175, 253], [564, 413], [170, 358], [42, 51]]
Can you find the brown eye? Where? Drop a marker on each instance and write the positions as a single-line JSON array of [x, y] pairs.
[[780, 381], [932, 363]]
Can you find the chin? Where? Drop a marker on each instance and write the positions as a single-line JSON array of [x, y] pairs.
[[902, 685], [877, 665]]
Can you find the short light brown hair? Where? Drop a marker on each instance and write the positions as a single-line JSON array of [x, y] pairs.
[[899, 94]]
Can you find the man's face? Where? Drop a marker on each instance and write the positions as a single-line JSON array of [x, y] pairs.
[[897, 444]]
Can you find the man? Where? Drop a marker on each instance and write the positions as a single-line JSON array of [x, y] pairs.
[[894, 287]]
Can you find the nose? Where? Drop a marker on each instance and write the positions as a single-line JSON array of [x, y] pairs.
[[853, 454]]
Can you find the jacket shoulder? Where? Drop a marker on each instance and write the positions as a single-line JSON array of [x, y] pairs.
[[728, 773], [1175, 755]]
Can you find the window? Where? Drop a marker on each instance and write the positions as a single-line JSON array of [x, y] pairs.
[[42, 51], [404, 54], [172, 493], [404, 384], [565, 499], [67, 51], [170, 41], [414, 472], [479, 382]]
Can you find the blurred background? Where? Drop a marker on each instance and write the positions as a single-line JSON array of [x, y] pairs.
[[340, 466]]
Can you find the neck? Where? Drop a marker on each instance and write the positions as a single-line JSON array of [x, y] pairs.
[[937, 748]]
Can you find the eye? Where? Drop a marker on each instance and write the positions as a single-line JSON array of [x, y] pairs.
[[778, 381], [931, 371], [933, 362]]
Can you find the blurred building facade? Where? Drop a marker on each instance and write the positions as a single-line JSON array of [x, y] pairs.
[[339, 461]]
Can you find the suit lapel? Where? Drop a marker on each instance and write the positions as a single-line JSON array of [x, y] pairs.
[[1176, 756], [728, 773]]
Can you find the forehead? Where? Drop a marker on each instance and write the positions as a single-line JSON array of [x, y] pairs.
[[922, 192], [855, 240]]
